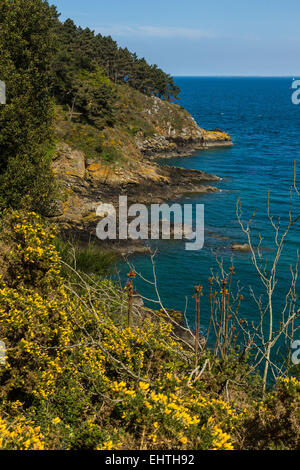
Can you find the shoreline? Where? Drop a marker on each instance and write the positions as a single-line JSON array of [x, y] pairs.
[[85, 186], [78, 217], [186, 151], [164, 147]]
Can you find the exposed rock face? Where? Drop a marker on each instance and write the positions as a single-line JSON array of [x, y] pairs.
[[163, 129], [84, 187], [176, 134], [68, 162], [118, 175]]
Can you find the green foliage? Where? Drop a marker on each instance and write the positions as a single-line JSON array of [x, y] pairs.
[[95, 98], [275, 421], [133, 130], [43, 60], [28, 46], [76, 377], [91, 98], [27, 252], [28, 183], [81, 49], [86, 137], [110, 154], [89, 259], [151, 80]]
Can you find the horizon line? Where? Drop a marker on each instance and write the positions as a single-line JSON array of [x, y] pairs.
[[235, 76]]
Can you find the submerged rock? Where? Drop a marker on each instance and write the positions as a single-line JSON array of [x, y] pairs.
[[245, 248]]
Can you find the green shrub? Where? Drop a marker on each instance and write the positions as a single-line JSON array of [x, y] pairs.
[[76, 377]]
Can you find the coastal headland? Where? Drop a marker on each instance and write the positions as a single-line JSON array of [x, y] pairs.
[[148, 128]]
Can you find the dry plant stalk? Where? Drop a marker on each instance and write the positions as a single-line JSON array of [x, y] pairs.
[[129, 287], [266, 337], [224, 312], [197, 297]]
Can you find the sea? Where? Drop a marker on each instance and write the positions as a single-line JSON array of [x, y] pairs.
[[264, 124]]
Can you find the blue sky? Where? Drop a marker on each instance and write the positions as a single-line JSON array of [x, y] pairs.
[[200, 37]]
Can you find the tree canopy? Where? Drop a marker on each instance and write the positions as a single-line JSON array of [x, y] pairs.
[[43, 62], [82, 49], [28, 47]]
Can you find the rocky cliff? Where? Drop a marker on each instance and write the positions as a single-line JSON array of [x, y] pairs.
[[175, 132], [95, 165]]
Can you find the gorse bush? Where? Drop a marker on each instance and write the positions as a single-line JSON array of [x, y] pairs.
[[76, 377], [275, 422], [22, 435], [28, 257]]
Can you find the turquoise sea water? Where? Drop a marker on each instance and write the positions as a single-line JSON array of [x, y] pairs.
[[265, 126]]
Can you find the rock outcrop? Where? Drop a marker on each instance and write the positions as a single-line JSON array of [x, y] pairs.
[[84, 187], [94, 166], [175, 131], [244, 248]]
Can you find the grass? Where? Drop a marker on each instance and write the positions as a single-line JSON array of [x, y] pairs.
[[89, 259]]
